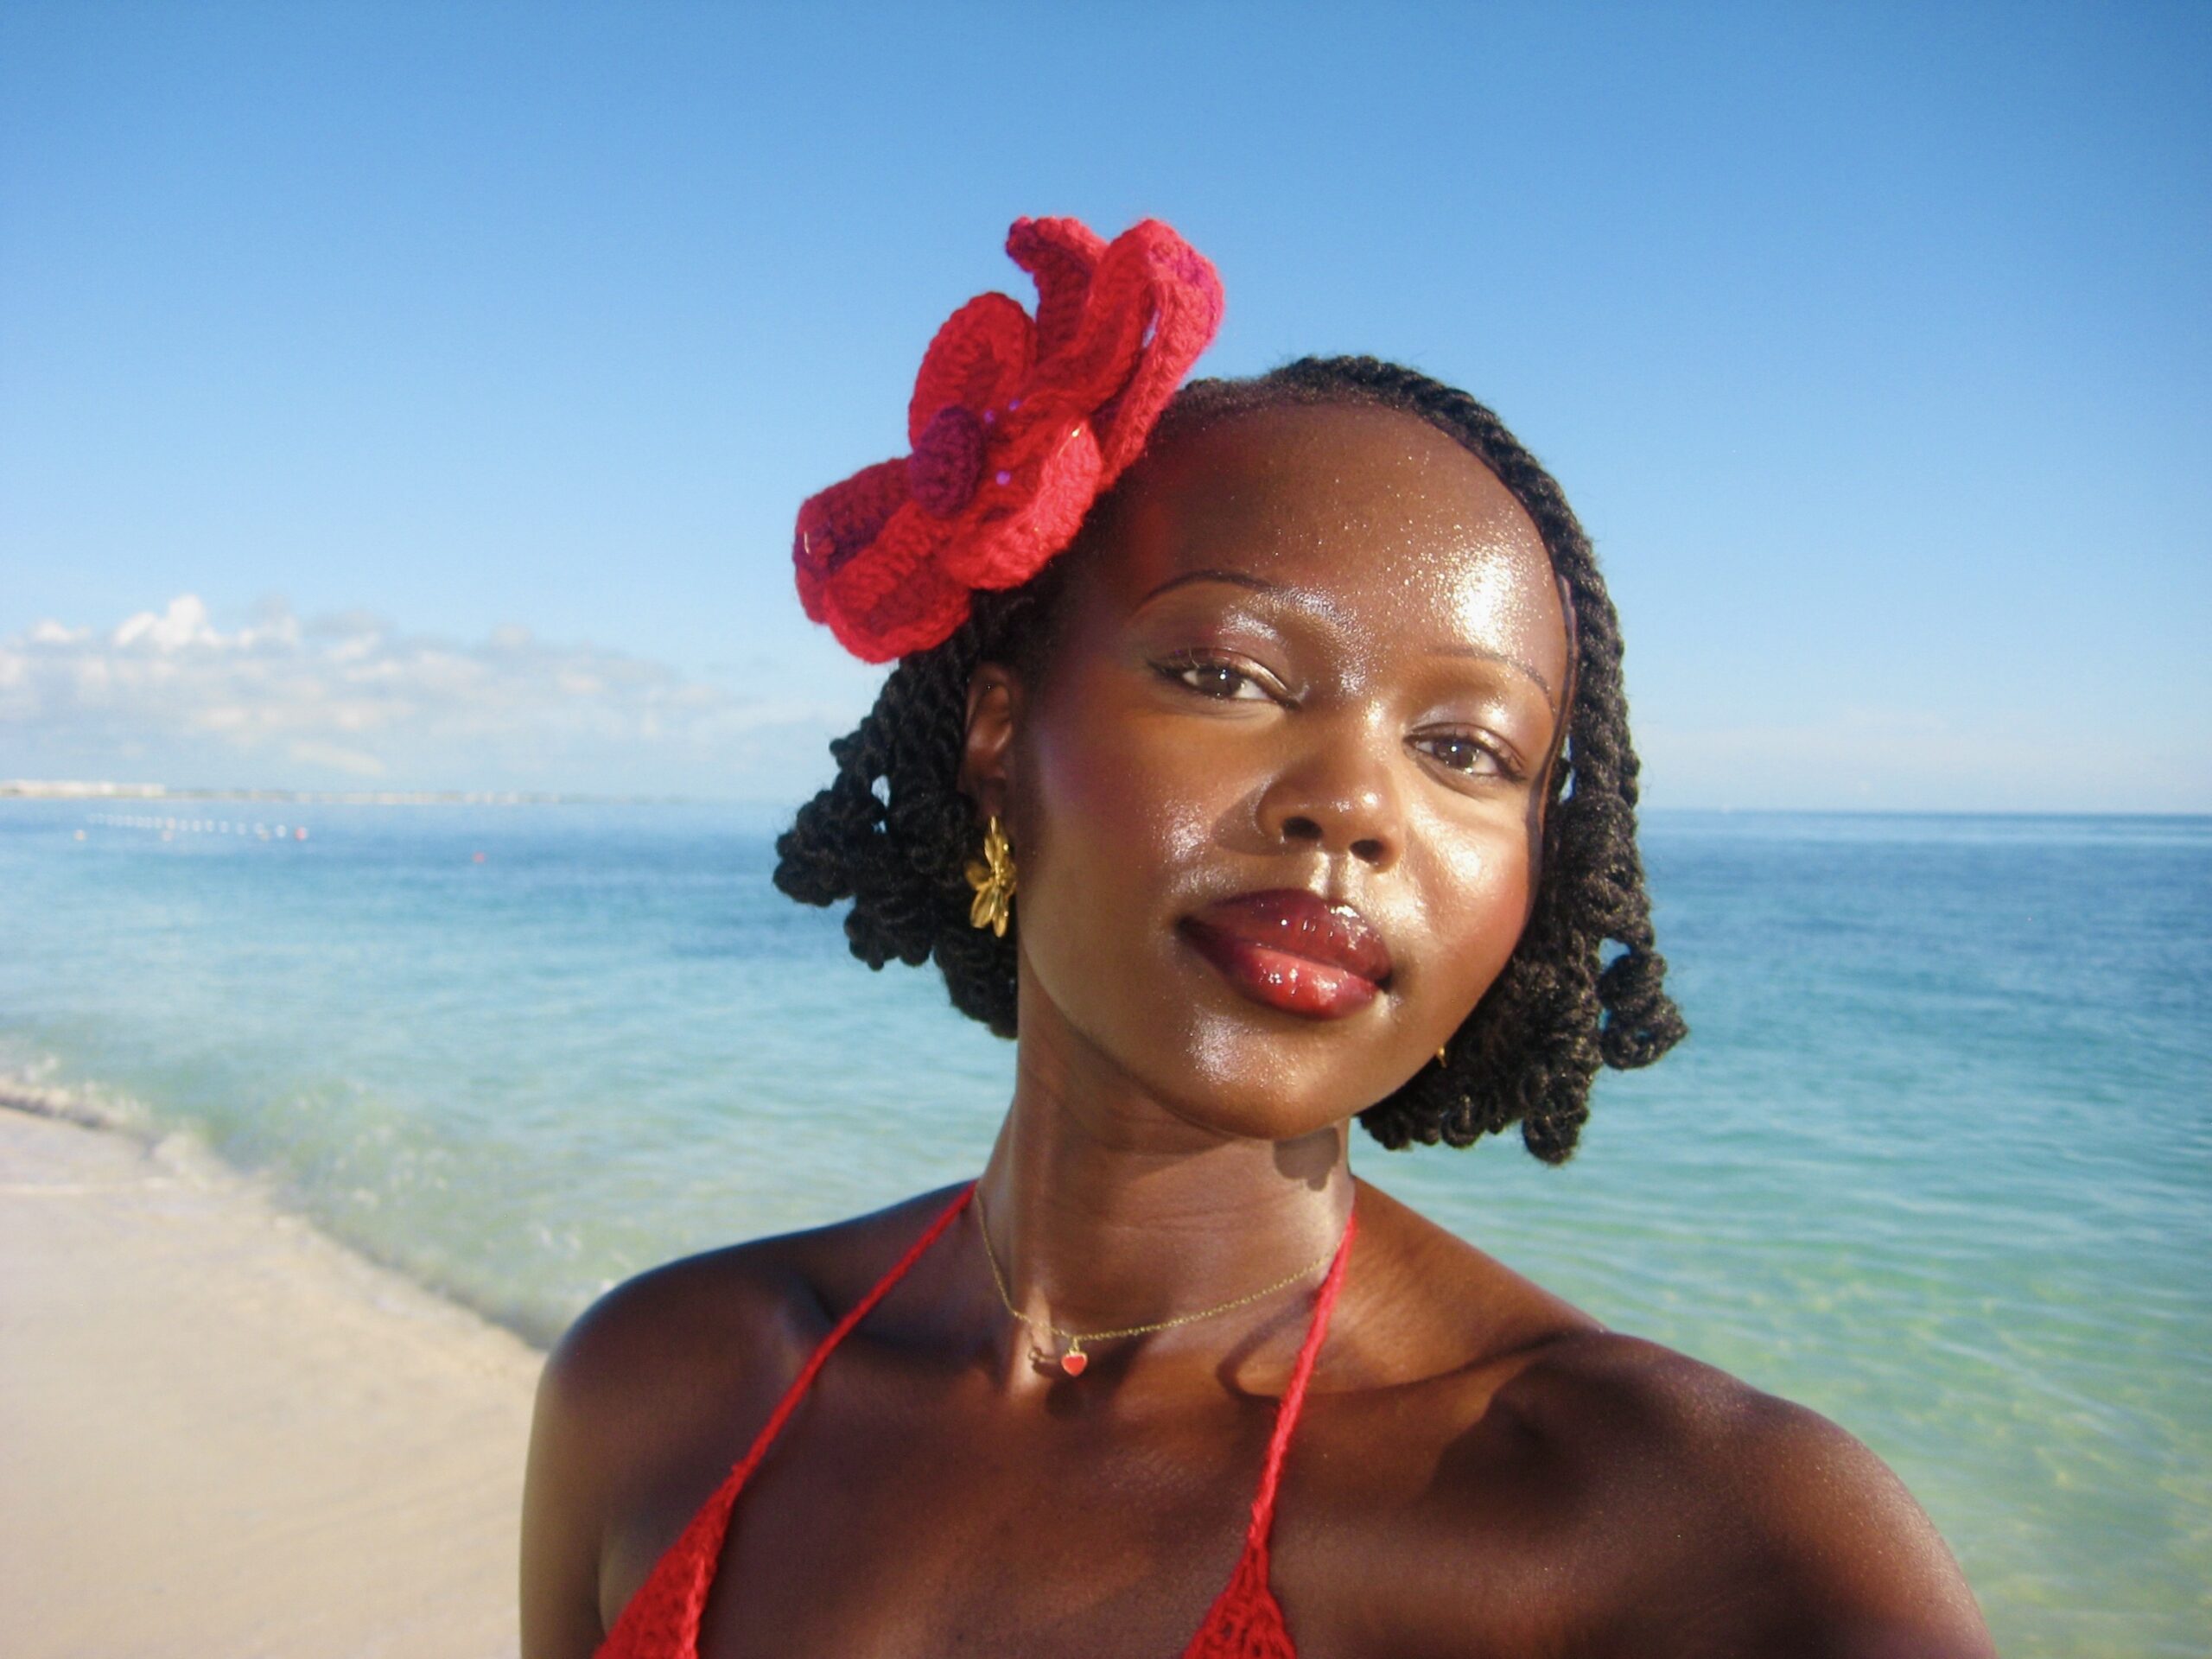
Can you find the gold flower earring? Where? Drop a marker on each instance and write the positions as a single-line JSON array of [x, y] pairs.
[[992, 876]]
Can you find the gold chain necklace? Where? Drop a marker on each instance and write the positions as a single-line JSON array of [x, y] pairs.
[[1074, 1359]]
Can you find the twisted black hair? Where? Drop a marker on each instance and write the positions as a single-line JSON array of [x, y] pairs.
[[892, 832]]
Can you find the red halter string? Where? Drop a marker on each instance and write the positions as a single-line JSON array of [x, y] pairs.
[[1294, 1398], [860, 1310]]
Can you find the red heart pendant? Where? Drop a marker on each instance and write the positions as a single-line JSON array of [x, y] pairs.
[[1073, 1361]]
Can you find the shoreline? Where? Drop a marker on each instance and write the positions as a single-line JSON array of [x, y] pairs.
[[183, 1145], [224, 1431]]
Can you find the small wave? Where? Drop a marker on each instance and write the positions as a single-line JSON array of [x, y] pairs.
[[90, 1109]]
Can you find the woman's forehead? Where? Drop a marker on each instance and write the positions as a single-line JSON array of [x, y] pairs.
[[1344, 502], [1279, 480]]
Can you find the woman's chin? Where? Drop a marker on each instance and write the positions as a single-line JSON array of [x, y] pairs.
[[1261, 1099]]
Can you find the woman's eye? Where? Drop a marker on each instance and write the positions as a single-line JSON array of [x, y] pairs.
[[1466, 755], [1214, 679]]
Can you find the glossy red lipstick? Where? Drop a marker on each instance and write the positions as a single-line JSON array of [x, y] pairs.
[[1287, 948]]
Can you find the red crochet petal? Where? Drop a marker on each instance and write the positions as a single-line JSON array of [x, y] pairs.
[[1188, 304], [1060, 254], [1154, 304], [835, 526], [979, 358], [897, 596], [1013, 529]]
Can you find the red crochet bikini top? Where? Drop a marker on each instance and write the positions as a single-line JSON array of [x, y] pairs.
[[1245, 1622]]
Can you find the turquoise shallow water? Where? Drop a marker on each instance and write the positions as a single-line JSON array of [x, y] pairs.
[[1937, 1160]]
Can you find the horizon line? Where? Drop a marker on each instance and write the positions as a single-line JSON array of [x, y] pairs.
[[96, 790]]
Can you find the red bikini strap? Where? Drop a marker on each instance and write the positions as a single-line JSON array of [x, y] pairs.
[[661, 1621], [1294, 1398], [858, 1312]]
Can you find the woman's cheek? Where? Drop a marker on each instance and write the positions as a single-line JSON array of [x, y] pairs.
[[1124, 777], [1488, 881], [1084, 843]]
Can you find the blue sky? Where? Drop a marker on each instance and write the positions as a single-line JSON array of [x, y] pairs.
[[420, 394]]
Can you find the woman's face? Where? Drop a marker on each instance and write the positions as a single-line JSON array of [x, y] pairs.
[[1277, 798]]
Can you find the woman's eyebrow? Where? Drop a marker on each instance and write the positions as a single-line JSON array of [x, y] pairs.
[[1498, 656], [1240, 578]]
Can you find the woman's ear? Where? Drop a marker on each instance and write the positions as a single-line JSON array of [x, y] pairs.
[[995, 699]]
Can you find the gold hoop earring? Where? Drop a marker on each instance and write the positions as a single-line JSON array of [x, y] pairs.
[[1441, 1058], [992, 876]]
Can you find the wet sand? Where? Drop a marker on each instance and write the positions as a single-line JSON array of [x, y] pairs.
[[220, 1432]]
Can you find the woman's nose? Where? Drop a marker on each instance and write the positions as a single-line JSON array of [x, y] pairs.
[[1336, 792]]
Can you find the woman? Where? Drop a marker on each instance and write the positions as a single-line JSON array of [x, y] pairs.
[[1258, 753]]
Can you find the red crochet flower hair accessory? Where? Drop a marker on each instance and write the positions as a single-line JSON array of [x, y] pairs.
[[1017, 426]]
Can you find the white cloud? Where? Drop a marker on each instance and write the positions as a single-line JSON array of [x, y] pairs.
[[281, 701], [183, 625]]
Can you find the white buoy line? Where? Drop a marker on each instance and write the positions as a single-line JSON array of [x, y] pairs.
[[170, 828]]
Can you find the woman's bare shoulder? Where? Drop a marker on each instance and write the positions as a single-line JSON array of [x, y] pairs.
[[1701, 1514], [653, 1393], [1737, 1520], [682, 1339], [1709, 1517]]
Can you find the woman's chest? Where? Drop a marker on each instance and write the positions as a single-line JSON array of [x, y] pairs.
[[898, 1539], [893, 1538]]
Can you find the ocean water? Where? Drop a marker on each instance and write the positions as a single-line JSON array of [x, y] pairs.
[[1937, 1160]]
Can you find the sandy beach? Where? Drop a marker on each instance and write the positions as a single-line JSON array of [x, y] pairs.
[[220, 1432]]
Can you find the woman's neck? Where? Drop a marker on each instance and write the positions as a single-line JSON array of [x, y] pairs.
[[1106, 1208]]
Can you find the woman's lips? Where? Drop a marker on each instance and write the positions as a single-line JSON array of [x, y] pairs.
[[1291, 950]]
